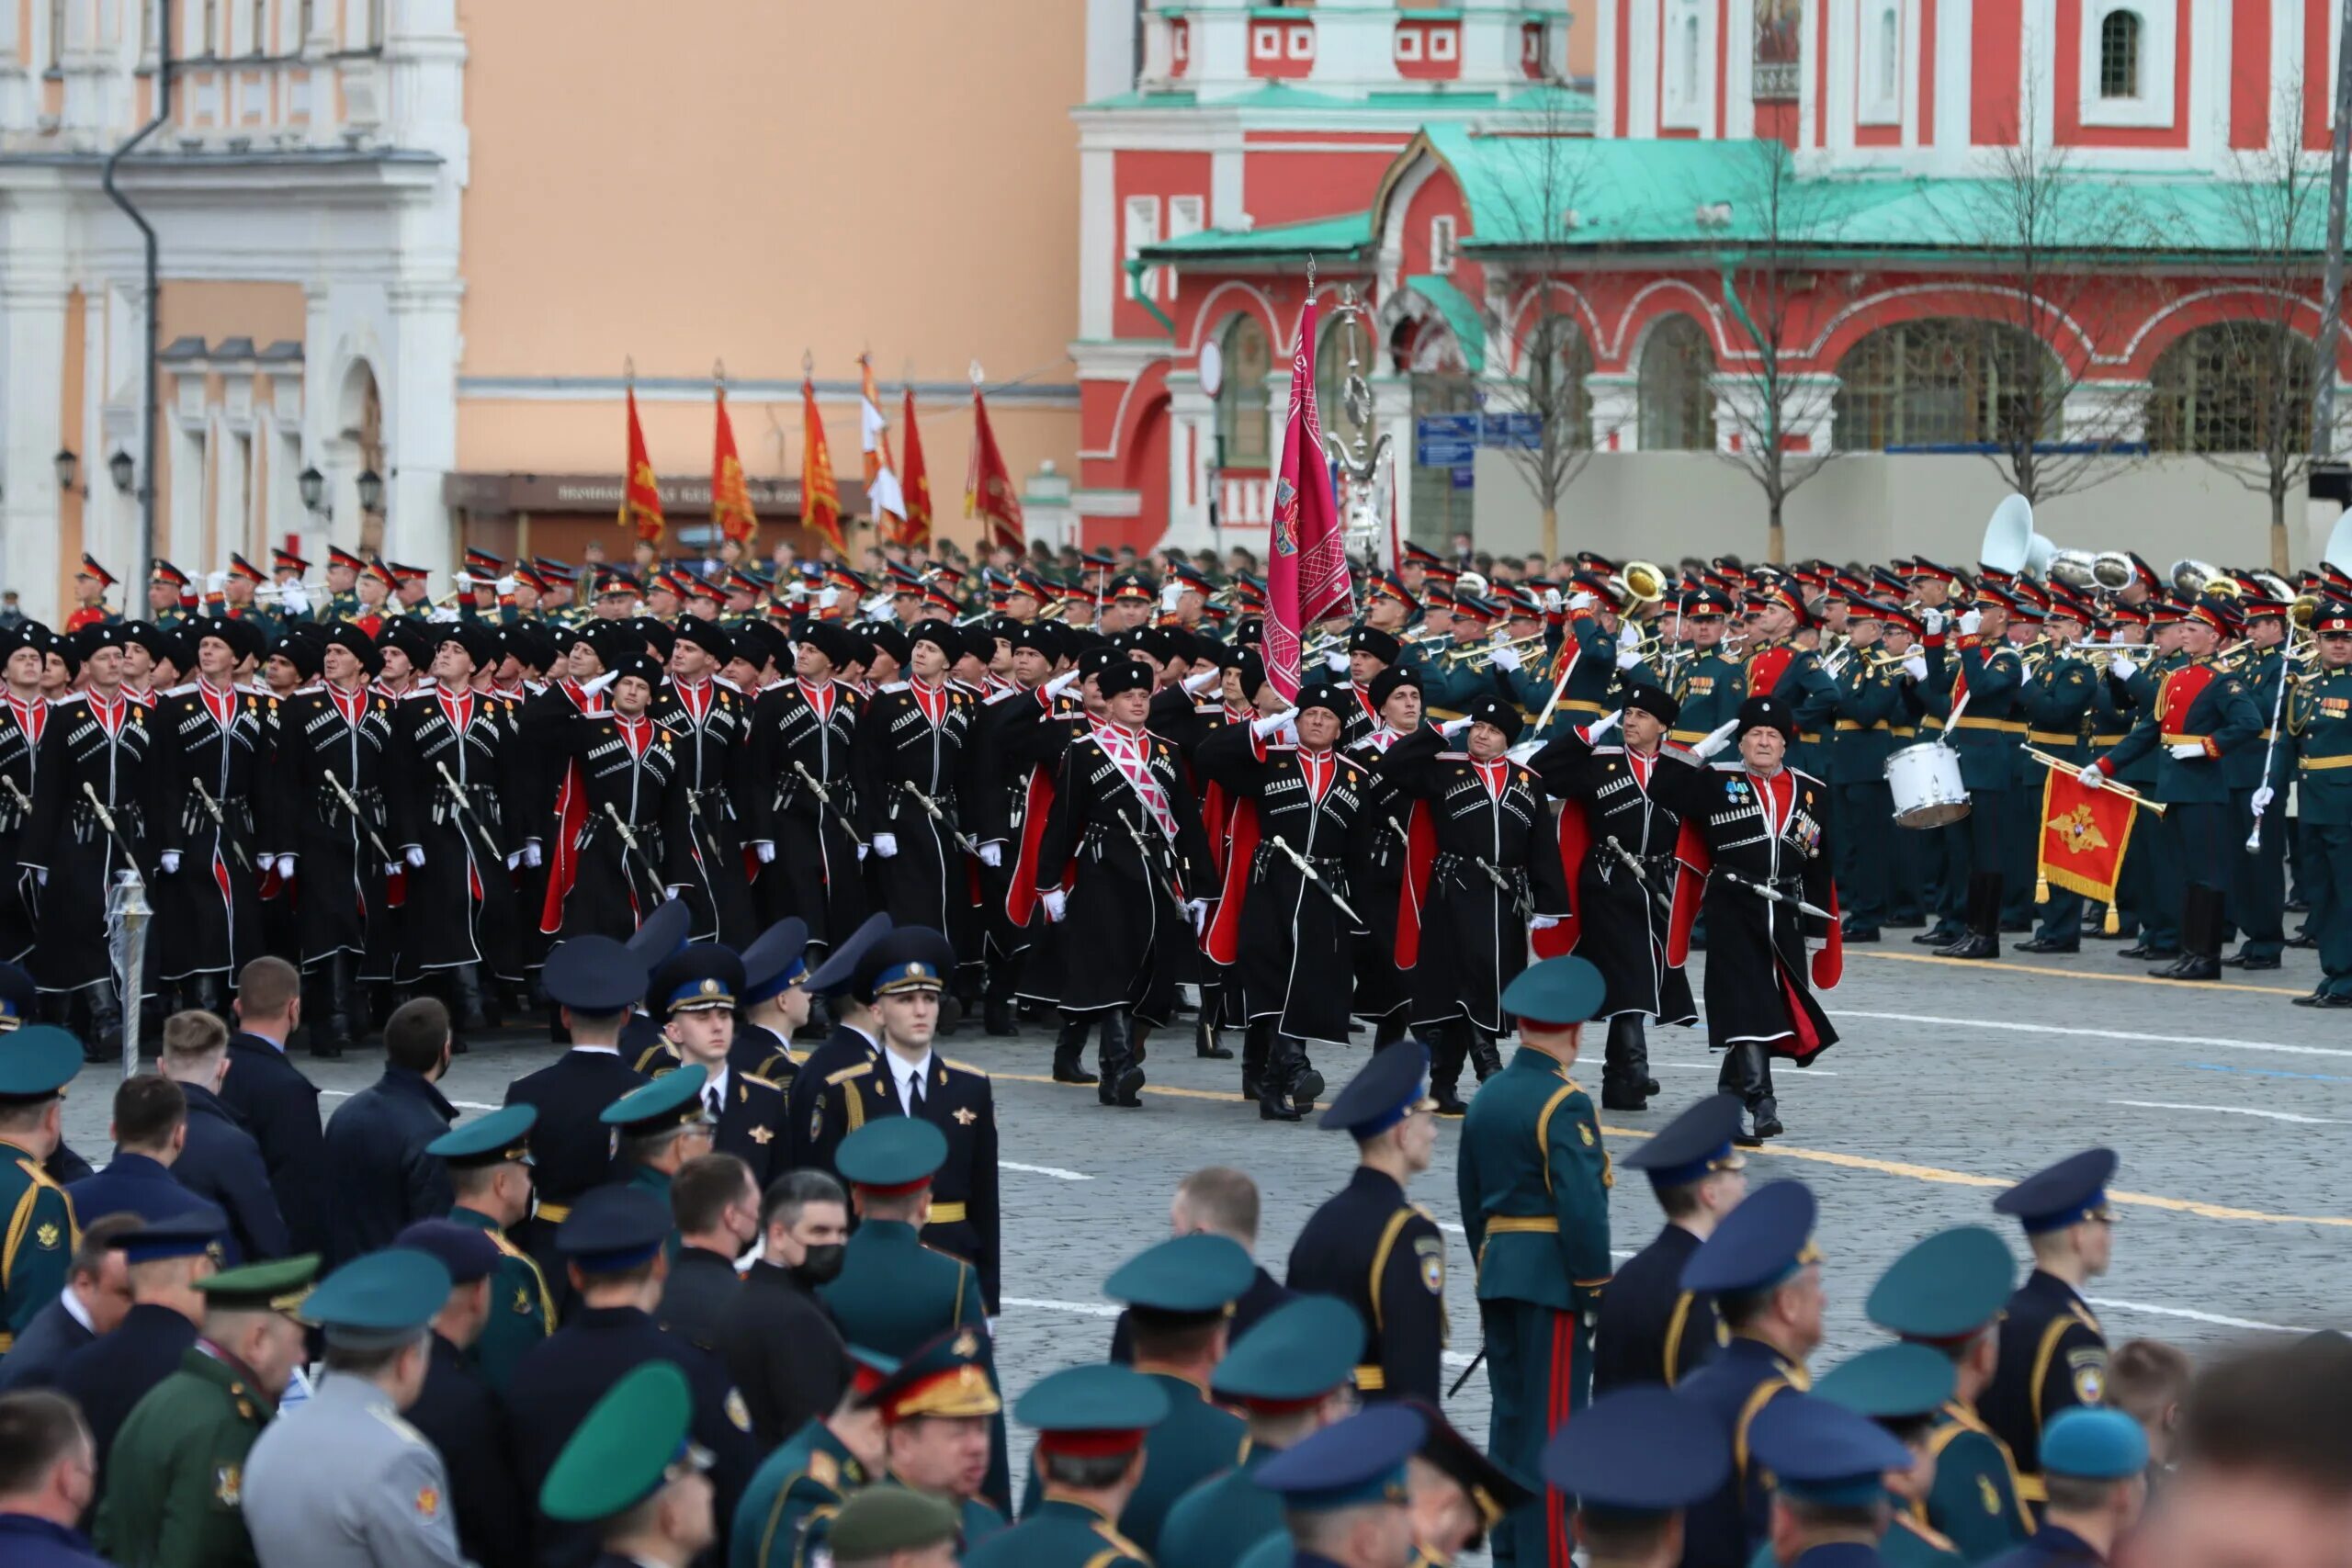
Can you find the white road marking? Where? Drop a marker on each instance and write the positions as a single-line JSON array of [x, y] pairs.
[[1084, 1309], [460, 1104], [2207, 1042], [2194, 1316], [1057, 1172], [2231, 1111]]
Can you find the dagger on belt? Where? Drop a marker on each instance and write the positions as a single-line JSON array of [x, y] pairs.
[[1773, 895], [1307, 869]]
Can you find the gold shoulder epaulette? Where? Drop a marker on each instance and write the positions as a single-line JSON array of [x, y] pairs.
[[846, 1074]]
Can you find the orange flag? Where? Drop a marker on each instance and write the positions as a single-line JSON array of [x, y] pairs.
[[730, 499], [914, 529], [987, 487], [2084, 832], [640, 496], [820, 501]]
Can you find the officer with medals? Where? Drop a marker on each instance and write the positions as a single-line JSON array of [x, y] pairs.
[[1706, 683], [1290, 1376], [613, 1244], [1534, 1182], [1345, 1493], [1094, 1426], [179, 1463], [696, 993], [1650, 1328], [2053, 1353], [938, 1409], [1900, 1388], [1761, 1268], [1778, 666], [631, 1478], [490, 1165], [1948, 1292], [1830, 1467], [787, 1509], [2317, 749], [2095, 1464], [1633, 1461], [42, 1235], [2061, 699], [1367, 1245], [1975, 676]]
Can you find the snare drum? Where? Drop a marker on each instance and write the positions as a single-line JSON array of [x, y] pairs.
[[1925, 782]]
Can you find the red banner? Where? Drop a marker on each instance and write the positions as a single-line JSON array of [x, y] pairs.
[[730, 500], [640, 496], [988, 487], [2084, 832], [1306, 573], [821, 501], [914, 531]]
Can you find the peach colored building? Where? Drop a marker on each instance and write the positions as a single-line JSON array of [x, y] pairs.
[[425, 237]]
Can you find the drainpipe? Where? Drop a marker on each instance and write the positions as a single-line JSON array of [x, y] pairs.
[[153, 392]]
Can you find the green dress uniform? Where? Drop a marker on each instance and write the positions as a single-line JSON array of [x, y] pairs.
[[1974, 1504], [2148, 889], [1979, 682], [2256, 897], [1448, 685], [1871, 720], [522, 1312], [1218, 1520], [781, 1521], [2319, 745], [174, 1492], [2060, 700], [1096, 1409], [1710, 688], [40, 1239], [1195, 1440], [1059, 1533]]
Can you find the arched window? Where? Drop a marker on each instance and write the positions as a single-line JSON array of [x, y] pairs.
[[2231, 387], [2119, 55], [1942, 382], [1243, 403], [1890, 54], [1555, 361], [1677, 402]]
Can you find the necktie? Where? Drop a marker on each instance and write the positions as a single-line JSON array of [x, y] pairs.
[[710, 1100], [914, 1094]]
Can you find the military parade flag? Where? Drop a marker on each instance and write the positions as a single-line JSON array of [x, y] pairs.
[[640, 496], [730, 498], [882, 496], [2084, 832], [820, 501], [914, 525], [988, 487], [1306, 573]]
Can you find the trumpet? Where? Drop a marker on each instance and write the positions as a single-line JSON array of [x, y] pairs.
[[1477, 657]]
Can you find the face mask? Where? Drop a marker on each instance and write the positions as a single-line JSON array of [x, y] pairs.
[[821, 1266]]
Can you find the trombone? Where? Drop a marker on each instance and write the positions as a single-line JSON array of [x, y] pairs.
[[1478, 657]]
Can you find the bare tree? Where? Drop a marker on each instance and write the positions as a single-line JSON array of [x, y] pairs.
[[1773, 222]]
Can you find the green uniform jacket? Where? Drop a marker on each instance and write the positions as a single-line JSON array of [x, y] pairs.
[[1709, 688], [40, 1242], [1194, 1441], [1906, 1544], [174, 1496], [894, 1294], [1224, 1517], [1975, 1500], [2135, 694], [1534, 1183], [797, 1490], [2059, 700], [1870, 712], [1991, 727], [1059, 1534], [2258, 674], [2220, 715], [2320, 730], [522, 1312]]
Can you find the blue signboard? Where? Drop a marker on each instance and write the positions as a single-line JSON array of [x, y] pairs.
[[1445, 440], [1521, 430]]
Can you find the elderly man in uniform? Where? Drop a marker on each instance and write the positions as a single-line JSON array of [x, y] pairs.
[[1094, 1425], [1367, 1245], [1650, 1329], [938, 1408], [2053, 1353], [1535, 1188], [342, 1479]]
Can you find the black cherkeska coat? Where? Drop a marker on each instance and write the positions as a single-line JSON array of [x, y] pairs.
[[216, 740], [85, 748], [629, 770], [340, 878], [1621, 920], [907, 742], [815, 874], [710, 726], [460, 903], [21, 728]]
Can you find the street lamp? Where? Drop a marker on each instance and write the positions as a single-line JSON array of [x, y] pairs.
[[313, 486], [69, 468], [371, 491], [122, 468]]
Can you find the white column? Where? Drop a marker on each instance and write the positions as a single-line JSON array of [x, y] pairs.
[[421, 423], [32, 349], [1392, 416], [1192, 460]]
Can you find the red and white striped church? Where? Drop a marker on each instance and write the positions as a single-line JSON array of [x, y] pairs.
[[1435, 160]]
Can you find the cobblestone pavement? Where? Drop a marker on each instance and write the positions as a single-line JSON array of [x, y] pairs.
[[2231, 1109]]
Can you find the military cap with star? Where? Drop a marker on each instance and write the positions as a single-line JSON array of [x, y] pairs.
[[2086, 1443], [1349, 1463], [911, 958], [1693, 1145], [1187, 1276], [631, 1443], [615, 1228], [186, 1234], [1297, 1354], [2060, 1195], [380, 1301], [501, 1137], [594, 975], [1493, 1491], [1556, 991], [838, 974], [1899, 1383], [894, 1154], [1819, 1452], [1391, 1087], [1759, 1244], [1645, 1449], [699, 978], [947, 1375], [280, 1285], [670, 1101], [1097, 1409], [466, 1251], [1946, 1289], [775, 962], [38, 1065]]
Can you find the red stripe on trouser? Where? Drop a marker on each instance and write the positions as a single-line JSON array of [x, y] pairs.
[[1557, 1545]]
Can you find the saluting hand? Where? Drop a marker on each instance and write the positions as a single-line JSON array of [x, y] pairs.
[[1716, 740]]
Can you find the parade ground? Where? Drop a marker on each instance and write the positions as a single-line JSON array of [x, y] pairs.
[[2230, 1108]]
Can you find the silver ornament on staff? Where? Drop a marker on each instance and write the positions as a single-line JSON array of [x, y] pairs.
[[1367, 474]]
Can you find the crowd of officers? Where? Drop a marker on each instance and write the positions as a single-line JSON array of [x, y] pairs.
[[594, 1327]]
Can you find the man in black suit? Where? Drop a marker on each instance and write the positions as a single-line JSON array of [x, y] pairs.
[[779, 1343], [219, 1162], [694, 995], [96, 1297], [593, 981], [150, 1125], [718, 1211], [384, 1181], [456, 1411], [165, 1259], [1216, 1199], [277, 1105]]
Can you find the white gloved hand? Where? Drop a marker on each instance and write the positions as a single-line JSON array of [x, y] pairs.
[[593, 686], [1057, 903], [413, 854], [171, 862], [2090, 775], [293, 601], [1915, 664], [861, 849], [531, 854], [2262, 799], [886, 845], [1197, 684], [1603, 725], [1504, 659], [1553, 603], [40, 876], [1062, 683], [992, 855], [1933, 620], [1198, 908], [216, 581], [1542, 922], [506, 585], [2123, 666], [764, 849], [1629, 658], [445, 615], [513, 859], [1453, 726], [2184, 750], [1715, 739], [1335, 662], [676, 890], [829, 598], [286, 867], [1168, 595], [1267, 727], [1580, 600], [1969, 621], [393, 869]]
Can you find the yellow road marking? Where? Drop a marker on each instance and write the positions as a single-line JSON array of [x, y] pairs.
[[2006, 967]]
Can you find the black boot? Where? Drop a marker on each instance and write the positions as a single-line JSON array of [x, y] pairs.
[[1745, 1074], [1256, 1051], [1282, 1058], [1122, 1081], [2201, 936], [1305, 1083], [1447, 1053], [1205, 1044], [1069, 1053], [996, 1000], [1388, 1031], [1486, 1058], [1983, 938], [1625, 1072], [465, 1010], [103, 1042], [331, 1033]]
